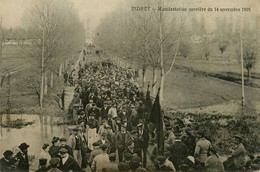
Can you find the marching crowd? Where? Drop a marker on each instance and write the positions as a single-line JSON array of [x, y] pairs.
[[114, 133]]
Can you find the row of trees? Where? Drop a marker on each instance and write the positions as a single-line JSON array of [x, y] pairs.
[[153, 39], [57, 33], [147, 39]]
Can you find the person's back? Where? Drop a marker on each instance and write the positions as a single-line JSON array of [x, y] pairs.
[[100, 162], [201, 150], [239, 156], [213, 163], [179, 152]]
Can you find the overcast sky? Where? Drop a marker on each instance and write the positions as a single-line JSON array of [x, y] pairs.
[[97, 9]]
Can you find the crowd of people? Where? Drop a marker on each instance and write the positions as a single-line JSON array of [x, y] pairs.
[[114, 133]]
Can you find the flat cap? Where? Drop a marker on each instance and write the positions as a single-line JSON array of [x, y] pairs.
[[161, 158], [63, 150], [112, 155], [54, 161], [103, 146]]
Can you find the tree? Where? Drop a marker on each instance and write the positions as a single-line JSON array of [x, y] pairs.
[[185, 49], [56, 31], [249, 56]]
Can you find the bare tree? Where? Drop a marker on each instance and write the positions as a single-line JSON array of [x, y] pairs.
[[48, 24]]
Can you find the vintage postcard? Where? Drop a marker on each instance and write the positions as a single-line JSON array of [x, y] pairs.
[[129, 85]]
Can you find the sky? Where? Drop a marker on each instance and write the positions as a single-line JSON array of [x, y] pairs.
[[92, 11]]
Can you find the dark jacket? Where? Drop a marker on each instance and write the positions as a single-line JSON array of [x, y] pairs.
[[70, 164], [23, 162], [6, 165], [54, 151], [121, 143], [179, 153]]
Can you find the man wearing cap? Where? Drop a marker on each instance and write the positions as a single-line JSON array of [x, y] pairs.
[[190, 141], [54, 149], [75, 142], [161, 164], [122, 137], [45, 153], [142, 142], [54, 163], [42, 165], [63, 144], [201, 150], [112, 166], [103, 139], [67, 162], [113, 111], [22, 157], [111, 137], [95, 152], [101, 160], [7, 162], [111, 122], [239, 153]]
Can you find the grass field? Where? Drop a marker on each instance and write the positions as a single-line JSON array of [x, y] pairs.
[[23, 96]]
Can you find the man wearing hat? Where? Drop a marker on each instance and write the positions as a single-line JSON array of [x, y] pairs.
[[179, 150], [7, 163], [67, 162], [101, 160], [54, 149], [54, 163], [75, 142], [22, 157]]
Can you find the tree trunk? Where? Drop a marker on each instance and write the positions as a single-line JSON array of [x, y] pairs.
[[42, 71], [60, 71], [144, 70], [51, 79], [161, 59], [45, 83], [154, 89]]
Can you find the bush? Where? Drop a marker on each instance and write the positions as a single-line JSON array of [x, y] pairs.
[[184, 49]]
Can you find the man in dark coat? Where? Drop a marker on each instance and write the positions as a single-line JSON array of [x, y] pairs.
[[7, 162], [64, 145], [179, 151], [190, 141], [122, 137], [54, 162], [54, 149], [22, 157], [43, 165], [67, 162]]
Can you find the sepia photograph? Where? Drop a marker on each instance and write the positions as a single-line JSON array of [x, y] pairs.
[[129, 85]]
